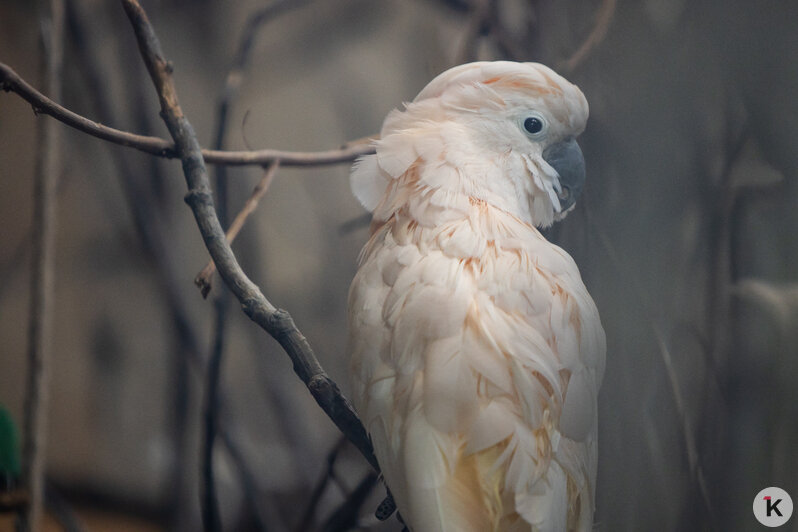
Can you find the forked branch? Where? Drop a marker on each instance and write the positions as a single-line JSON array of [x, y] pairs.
[[11, 82]]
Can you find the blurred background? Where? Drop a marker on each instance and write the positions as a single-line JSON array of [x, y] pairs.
[[686, 236]]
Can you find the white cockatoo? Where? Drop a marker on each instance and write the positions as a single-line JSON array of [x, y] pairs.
[[477, 352]]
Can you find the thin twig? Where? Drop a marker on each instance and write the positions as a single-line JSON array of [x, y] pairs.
[[204, 279], [263, 511], [604, 17], [505, 43], [721, 256], [40, 324], [277, 322], [61, 510], [211, 517], [346, 516], [11, 82], [318, 490], [235, 77], [478, 25]]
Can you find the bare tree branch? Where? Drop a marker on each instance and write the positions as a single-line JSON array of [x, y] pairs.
[[61, 510], [263, 511], [11, 82], [211, 518], [204, 279], [210, 506], [346, 516], [276, 322], [318, 490], [478, 25], [40, 324], [721, 256], [604, 17]]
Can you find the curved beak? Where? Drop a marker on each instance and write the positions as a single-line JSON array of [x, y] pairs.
[[566, 158]]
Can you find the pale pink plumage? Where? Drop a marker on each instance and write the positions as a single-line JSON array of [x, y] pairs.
[[477, 352]]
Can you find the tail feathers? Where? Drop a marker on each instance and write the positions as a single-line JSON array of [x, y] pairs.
[[469, 501], [544, 505]]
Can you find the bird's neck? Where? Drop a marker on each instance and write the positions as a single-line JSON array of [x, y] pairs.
[[438, 217], [432, 197]]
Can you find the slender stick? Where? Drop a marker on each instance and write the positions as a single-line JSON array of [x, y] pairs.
[[204, 279], [211, 518], [233, 81], [478, 24], [346, 516], [40, 323], [318, 490], [276, 322], [263, 510], [604, 17], [61, 511], [11, 82]]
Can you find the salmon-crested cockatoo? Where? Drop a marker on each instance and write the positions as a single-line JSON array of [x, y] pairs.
[[477, 352]]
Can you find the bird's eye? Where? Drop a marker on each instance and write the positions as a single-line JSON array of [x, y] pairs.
[[533, 125]]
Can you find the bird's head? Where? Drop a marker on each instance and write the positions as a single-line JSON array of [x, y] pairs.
[[509, 128]]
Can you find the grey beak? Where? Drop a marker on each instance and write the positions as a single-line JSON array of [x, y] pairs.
[[566, 158]]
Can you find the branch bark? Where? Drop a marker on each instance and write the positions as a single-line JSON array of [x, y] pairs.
[[277, 322], [40, 324], [11, 82]]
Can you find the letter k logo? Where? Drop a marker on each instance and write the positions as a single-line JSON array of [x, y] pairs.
[[772, 506]]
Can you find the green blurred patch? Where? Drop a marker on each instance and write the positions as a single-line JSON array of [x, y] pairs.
[[10, 463]]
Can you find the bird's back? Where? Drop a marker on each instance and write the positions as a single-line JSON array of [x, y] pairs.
[[476, 359]]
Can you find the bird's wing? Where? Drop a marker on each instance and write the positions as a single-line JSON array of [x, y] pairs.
[[477, 380], [412, 388]]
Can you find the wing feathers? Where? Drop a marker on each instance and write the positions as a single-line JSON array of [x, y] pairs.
[[475, 346]]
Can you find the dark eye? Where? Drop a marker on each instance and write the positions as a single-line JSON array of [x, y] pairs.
[[533, 124]]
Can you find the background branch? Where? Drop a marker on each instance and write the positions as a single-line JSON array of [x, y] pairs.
[[263, 512], [61, 511], [204, 279], [318, 490], [604, 17], [211, 518], [40, 321], [233, 82], [346, 516]]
